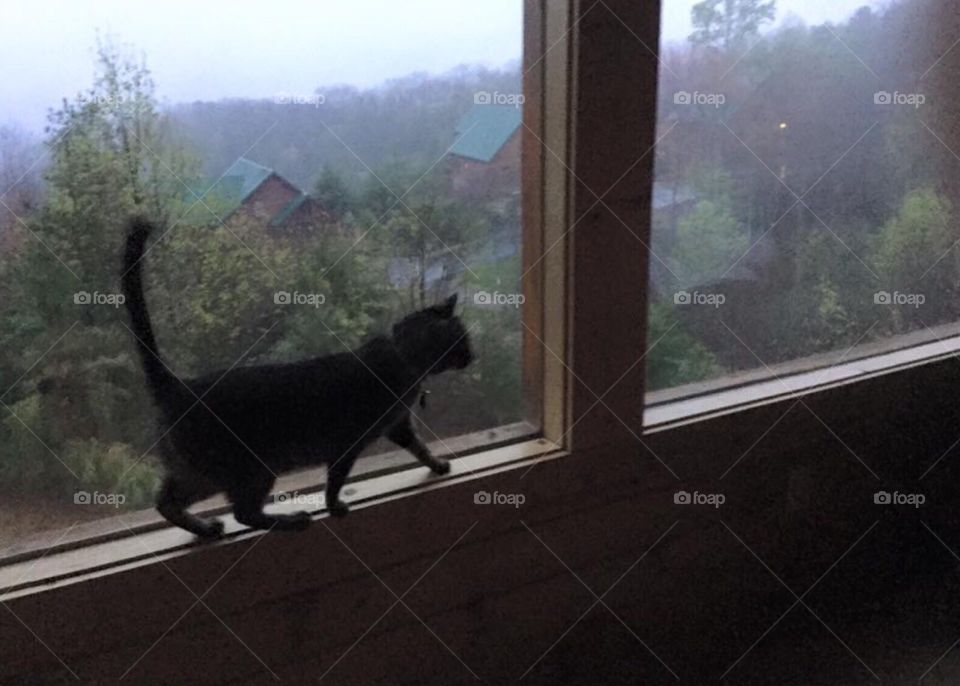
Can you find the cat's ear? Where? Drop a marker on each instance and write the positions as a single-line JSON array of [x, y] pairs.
[[446, 308]]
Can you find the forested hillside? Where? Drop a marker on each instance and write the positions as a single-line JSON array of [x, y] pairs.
[[407, 122]]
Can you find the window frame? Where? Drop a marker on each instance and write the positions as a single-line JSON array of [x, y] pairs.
[[544, 403], [591, 69], [583, 400]]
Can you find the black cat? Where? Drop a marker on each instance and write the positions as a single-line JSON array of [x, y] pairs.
[[236, 431]]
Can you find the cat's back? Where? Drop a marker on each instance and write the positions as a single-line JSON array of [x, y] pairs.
[[264, 381], [367, 376]]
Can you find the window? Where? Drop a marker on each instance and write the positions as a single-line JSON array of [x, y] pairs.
[[314, 189], [802, 213], [593, 75]]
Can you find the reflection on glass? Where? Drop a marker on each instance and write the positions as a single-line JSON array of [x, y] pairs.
[[302, 217], [799, 207]]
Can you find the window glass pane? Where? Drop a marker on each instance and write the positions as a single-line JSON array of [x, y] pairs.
[[319, 169], [799, 207]]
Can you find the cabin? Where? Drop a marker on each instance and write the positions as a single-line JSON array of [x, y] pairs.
[[251, 190], [485, 155]]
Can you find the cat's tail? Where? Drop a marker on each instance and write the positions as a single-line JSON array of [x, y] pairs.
[[160, 379]]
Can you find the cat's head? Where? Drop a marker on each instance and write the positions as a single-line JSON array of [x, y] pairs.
[[434, 337]]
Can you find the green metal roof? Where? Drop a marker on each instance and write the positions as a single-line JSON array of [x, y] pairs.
[[239, 181], [226, 194], [484, 130], [205, 203], [203, 187], [248, 174]]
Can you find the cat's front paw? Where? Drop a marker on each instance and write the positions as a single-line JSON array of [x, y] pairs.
[[338, 508], [212, 530], [439, 466]]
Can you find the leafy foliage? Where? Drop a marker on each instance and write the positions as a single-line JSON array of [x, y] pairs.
[[675, 357], [730, 24], [709, 241]]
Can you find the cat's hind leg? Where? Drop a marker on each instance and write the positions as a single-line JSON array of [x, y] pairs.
[[337, 474], [175, 497], [248, 502]]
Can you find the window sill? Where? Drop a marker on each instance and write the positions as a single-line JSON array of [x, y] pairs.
[[136, 538], [121, 549], [678, 406], [302, 482]]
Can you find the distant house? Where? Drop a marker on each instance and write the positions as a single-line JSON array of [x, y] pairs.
[[252, 190], [485, 156]]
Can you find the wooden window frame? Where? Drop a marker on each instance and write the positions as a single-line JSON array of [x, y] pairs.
[[547, 431], [591, 77], [568, 230]]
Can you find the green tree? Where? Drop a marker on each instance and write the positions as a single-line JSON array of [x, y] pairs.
[[709, 242], [212, 292], [332, 193], [677, 358], [729, 24], [430, 231], [357, 300], [489, 392], [110, 155], [916, 254]]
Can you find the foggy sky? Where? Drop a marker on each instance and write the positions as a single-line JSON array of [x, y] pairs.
[[214, 49]]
